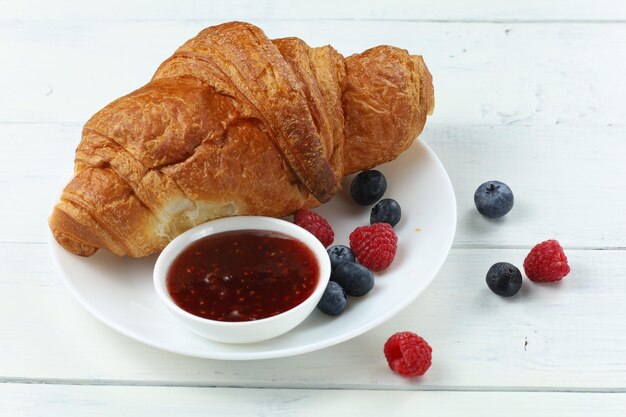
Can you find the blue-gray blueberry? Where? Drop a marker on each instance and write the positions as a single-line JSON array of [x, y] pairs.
[[368, 187], [493, 199], [339, 255], [354, 278], [386, 210], [504, 279], [333, 301]]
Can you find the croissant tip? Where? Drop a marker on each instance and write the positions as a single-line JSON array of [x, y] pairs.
[[62, 225], [74, 246]]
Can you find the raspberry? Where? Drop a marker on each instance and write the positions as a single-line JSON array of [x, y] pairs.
[[546, 262], [374, 246], [408, 354], [316, 225]]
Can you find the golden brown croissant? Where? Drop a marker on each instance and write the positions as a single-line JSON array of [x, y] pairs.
[[235, 123]]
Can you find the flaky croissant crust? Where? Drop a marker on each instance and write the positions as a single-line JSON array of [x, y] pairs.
[[234, 123]]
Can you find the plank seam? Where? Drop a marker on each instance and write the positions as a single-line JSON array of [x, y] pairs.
[[557, 21], [429, 388]]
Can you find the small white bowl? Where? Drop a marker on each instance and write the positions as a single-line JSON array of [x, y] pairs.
[[241, 331]]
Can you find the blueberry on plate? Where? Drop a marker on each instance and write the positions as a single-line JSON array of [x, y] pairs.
[[386, 210], [493, 199], [339, 255], [504, 279], [354, 278], [333, 301], [368, 187]]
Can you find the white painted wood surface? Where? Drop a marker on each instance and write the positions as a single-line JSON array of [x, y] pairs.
[[98, 401], [530, 93], [569, 336], [515, 74], [477, 10]]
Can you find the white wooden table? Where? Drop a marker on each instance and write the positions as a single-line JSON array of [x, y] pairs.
[[529, 92]]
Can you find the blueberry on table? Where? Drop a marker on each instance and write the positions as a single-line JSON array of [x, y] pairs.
[[504, 279], [386, 210], [354, 278], [339, 255], [368, 187], [493, 199], [333, 301]]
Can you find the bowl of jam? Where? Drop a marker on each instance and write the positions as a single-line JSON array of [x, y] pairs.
[[242, 279]]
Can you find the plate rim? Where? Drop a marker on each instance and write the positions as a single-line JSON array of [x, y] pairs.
[[282, 352]]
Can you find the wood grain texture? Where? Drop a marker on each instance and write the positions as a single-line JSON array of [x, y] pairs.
[[484, 73], [528, 92], [478, 10], [566, 182], [99, 401], [480, 341], [561, 191]]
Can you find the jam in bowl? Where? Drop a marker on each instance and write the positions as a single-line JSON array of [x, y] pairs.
[[242, 279]]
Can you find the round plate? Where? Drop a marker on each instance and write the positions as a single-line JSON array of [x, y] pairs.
[[119, 291]]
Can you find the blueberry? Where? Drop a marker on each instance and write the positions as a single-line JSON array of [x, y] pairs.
[[504, 279], [339, 255], [386, 210], [333, 301], [368, 187], [355, 279], [493, 199]]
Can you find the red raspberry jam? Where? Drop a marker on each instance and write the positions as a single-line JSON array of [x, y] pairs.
[[242, 275]]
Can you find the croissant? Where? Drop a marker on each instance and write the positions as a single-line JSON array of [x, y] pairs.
[[234, 123]]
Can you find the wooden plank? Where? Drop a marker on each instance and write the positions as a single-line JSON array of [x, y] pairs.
[[97, 401], [566, 182], [561, 191], [485, 74], [565, 336], [478, 10]]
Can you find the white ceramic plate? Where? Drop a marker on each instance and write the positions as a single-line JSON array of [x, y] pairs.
[[119, 291]]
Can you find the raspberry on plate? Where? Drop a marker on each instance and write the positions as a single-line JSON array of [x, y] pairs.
[[546, 262], [374, 246], [408, 354], [316, 225]]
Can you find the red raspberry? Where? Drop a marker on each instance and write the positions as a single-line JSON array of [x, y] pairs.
[[374, 246], [546, 262], [408, 354], [316, 225]]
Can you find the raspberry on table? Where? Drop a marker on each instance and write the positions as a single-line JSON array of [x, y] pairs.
[[408, 354], [374, 246], [546, 262], [316, 225]]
